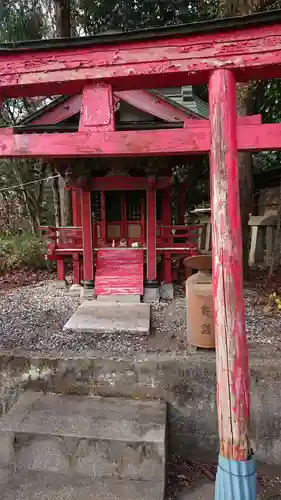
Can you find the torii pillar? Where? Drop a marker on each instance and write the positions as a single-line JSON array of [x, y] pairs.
[[236, 471]]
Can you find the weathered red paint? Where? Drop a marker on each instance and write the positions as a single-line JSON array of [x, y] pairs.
[[63, 240], [59, 113], [141, 99], [252, 52], [6, 130], [229, 316], [76, 269], [153, 104], [76, 207], [97, 115], [133, 143], [151, 272], [241, 120], [60, 269], [88, 236], [119, 272], [88, 229], [97, 112]]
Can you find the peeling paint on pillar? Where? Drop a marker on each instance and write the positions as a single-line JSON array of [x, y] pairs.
[[232, 353]]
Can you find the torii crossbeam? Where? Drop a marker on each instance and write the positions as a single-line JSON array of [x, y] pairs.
[[220, 53]]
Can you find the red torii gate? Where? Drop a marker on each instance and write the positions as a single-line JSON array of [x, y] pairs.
[[221, 53]]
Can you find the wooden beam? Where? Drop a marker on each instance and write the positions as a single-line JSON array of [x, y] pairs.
[[241, 120], [153, 104], [97, 112], [233, 396], [141, 99], [168, 61], [133, 143], [117, 182], [59, 113], [76, 207], [98, 144]]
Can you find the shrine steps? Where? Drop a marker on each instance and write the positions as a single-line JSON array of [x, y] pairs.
[[119, 271], [55, 446], [109, 317]]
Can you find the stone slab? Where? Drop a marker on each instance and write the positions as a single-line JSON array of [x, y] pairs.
[[151, 295], [186, 382], [119, 298], [110, 317], [75, 290], [87, 293], [167, 291], [44, 486], [60, 284], [90, 436]]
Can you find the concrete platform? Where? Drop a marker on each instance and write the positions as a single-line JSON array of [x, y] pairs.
[[43, 486], [86, 436], [110, 317]]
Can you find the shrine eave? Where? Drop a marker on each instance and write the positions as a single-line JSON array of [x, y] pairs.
[[155, 33]]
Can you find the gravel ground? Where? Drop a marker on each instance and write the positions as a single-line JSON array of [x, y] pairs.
[[183, 476], [32, 317]]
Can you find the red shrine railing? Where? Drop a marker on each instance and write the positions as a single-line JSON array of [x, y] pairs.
[[180, 241], [68, 240], [179, 238], [63, 241]]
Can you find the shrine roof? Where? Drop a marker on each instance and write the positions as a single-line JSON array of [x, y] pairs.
[[202, 27]]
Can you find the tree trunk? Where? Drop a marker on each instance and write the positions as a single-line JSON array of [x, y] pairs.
[[56, 198], [244, 103], [62, 197], [68, 207], [245, 163], [63, 30]]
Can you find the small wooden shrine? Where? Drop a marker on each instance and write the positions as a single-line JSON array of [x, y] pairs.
[[123, 203]]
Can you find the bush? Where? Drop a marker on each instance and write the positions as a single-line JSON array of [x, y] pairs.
[[22, 250]]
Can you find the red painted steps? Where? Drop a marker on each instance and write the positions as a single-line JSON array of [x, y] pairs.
[[119, 272]]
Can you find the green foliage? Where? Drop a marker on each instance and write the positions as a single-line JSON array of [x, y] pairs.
[[22, 250], [267, 98], [21, 20], [94, 16]]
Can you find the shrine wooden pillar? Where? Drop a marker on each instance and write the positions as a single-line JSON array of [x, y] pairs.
[[77, 222], [151, 287], [76, 207], [97, 114], [167, 275], [88, 238], [233, 397]]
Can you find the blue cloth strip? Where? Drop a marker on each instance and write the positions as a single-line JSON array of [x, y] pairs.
[[236, 480]]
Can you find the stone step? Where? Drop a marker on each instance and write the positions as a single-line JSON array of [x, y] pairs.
[[103, 317], [49, 486], [90, 436]]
